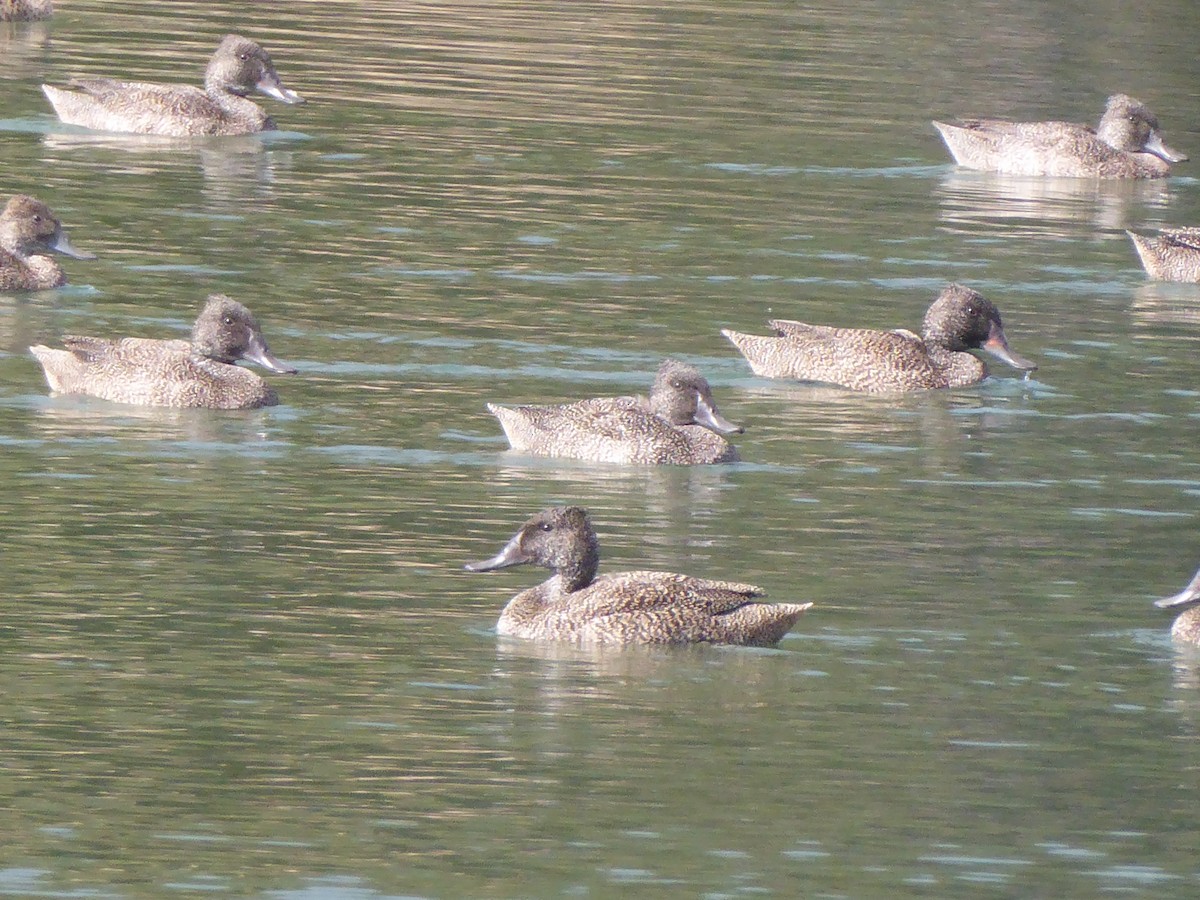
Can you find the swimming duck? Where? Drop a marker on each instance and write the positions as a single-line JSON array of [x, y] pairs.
[[1187, 623], [959, 320], [25, 10], [29, 233], [1126, 145], [1172, 256], [197, 373], [629, 607], [238, 66], [678, 425]]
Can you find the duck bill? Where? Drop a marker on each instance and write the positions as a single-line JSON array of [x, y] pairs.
[[271, 86], [511, 555], [1156, 146], [259, 353], [1183, 598], [1189, 594], [62, 245], [707, 415], [997, 345]]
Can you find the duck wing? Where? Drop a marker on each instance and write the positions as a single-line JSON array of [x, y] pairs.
[[88, 349], [1183, 238], [136, 94], [607, 417], [791, 328], [644, 591], [1040, 133], [146, 354], [665, 608], [858, 358]]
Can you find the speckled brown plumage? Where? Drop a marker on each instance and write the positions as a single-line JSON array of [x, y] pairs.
[[25, 10], [29, 233], [197, 373], [238, 66], [959, 320], [1126, 145], [629, 607], [677, 425], [1172, 256], [1186, 628]]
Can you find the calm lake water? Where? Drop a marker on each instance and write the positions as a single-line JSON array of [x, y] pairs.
[[241, 656]]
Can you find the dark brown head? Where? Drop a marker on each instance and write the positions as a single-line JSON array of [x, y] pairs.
[[1128, 125], [681, 395], [227, 332], [961, 319], [239, 66], [28, 227], [560, 539]]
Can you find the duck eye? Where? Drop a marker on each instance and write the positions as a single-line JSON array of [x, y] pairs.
[[545, 526], [227, 320]]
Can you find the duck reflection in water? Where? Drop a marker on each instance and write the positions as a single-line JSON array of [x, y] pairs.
[[1039, 208]]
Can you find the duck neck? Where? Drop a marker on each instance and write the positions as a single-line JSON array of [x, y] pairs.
[[706, 446], [237, 106], [662, 404], [45, 269], [576, 574], [936, 337], [958, 366]]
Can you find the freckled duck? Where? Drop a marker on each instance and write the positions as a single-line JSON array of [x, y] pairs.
[[238, 66], [1126, 145], [29, 233], [1172, 256], [959, 320], [629, 607], [201, 372], [678, 425]]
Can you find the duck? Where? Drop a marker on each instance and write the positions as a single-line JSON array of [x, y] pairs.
[[1172, 256], [1186, 628], [238, 66], [629, 607], [25, 10], [29, 233], [958, 321], [1126, 145], [679, 424], [202, 372]]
